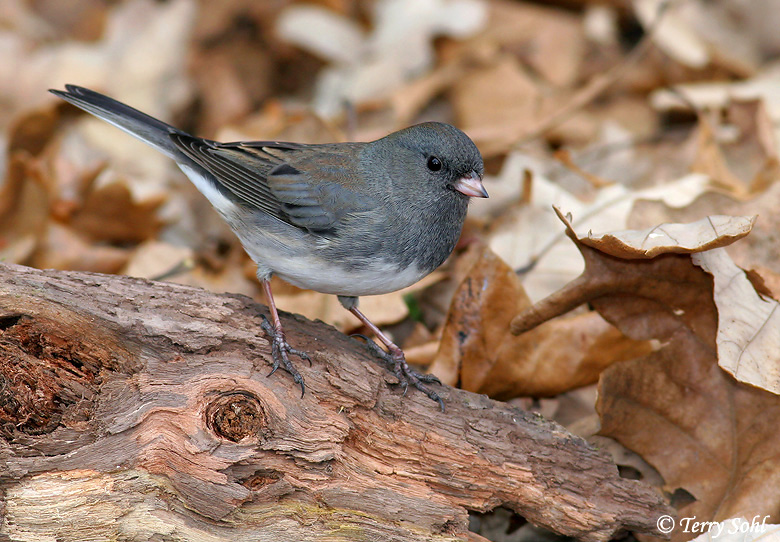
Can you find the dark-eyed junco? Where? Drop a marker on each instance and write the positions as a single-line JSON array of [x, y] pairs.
[[348, 219]]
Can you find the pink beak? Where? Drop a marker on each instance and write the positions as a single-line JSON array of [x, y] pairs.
[[471, 185]]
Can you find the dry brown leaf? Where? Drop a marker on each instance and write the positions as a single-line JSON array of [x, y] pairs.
[[215, 19], [746, 130], [31, 131], [141, 48], [110, 214], [747, 161], [650, 281], [140, 60], [81, 20], [478, 350], [281, 123], [496, 104], [530, 238], [703, 431], [754, 152], [24, 208], [422, 355], [710, 160], [484, 302], [701, 33], [409, 99], [62, 248], [230, 276], [550, 40], [759, 249], [708, 233], [673, 32], [153, 259], [748, 337], [765, 281], [366, 65], [224, 97]]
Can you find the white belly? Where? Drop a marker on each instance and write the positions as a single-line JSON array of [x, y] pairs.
[[377, 278]]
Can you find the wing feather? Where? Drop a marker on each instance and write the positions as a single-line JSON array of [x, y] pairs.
[[274, 177]]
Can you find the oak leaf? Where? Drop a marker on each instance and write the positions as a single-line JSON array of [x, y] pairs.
[[702, 430]]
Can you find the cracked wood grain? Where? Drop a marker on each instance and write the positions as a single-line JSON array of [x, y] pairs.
[[131, 409]]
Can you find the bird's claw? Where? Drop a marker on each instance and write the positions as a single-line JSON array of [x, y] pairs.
[[281, 352], [405, 374]]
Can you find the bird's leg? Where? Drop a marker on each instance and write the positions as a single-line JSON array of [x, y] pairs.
[[396, 359], [280, 349]]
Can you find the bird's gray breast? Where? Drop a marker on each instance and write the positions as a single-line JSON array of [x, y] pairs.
[[368, 253], [402, 247]]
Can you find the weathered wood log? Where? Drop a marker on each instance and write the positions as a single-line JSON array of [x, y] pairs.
[[134, 410]]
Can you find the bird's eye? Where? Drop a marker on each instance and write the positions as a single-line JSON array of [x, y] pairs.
[[434, 164]]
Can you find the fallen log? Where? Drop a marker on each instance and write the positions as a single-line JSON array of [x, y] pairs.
[[132, 410]]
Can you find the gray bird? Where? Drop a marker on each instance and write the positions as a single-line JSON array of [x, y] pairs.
[[348, 219]]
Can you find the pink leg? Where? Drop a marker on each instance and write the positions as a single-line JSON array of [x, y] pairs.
[[280, 350], [395, 357]]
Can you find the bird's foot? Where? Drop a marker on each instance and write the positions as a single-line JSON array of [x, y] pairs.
[[405, 374], [281, 352]]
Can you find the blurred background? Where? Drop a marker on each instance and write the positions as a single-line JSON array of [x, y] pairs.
[[624, 113], [572, 102]]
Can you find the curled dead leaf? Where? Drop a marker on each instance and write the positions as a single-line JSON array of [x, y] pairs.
[[702, 430], [748, 338], [478, 350], [706, 234], [610, 270]]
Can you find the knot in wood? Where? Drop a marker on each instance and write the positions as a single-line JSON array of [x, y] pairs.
[[235, 416]]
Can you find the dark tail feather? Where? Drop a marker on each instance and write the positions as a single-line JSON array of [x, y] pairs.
[[154, 132]]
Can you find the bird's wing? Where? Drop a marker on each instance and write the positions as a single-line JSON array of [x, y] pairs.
[[317, 185], [284, 180]]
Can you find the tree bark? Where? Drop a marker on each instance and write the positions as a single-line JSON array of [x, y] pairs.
[[138, 410]]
